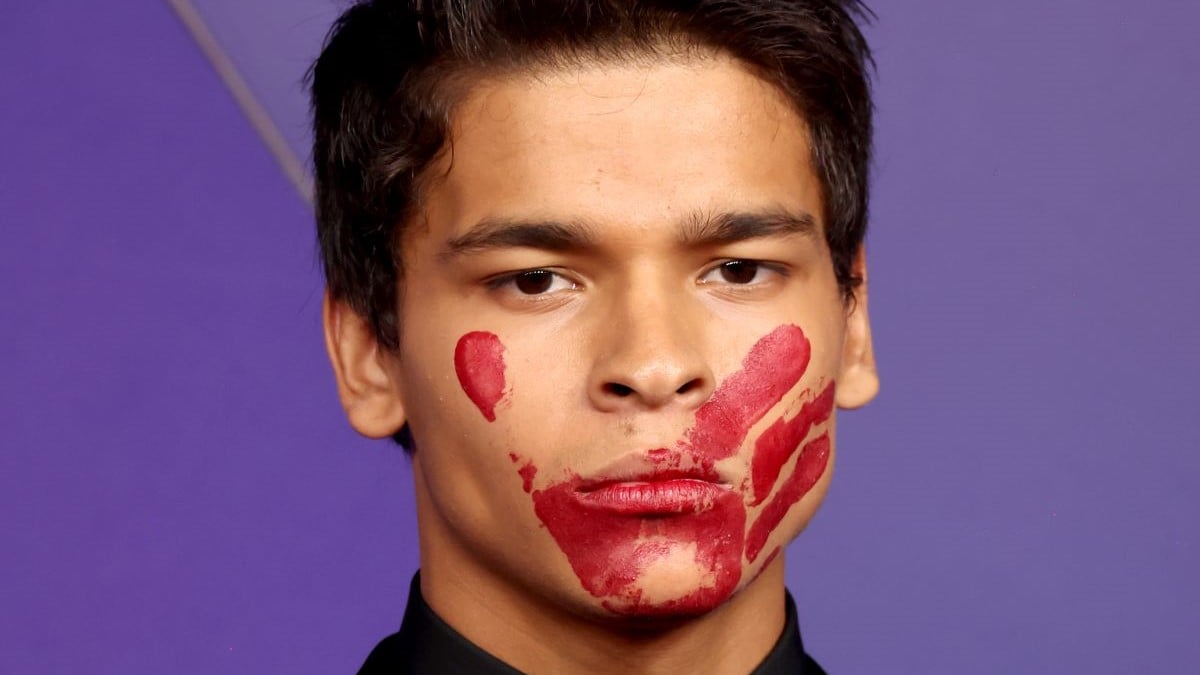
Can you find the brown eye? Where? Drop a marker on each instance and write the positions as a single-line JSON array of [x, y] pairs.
[[535, 282], [739, 271]]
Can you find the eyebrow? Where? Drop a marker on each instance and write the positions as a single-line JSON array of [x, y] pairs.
[[715, 229], [497, 233], [697, 230]]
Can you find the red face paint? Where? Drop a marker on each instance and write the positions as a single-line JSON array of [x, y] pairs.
[[610, 548], [479, 363], [775, 364], [809, 469], [527, 472], [777, 444], [767, 561], [610, 551]]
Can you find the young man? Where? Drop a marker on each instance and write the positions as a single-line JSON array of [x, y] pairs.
[[598, 265]]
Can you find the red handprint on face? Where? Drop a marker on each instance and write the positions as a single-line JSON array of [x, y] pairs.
[[774, 367], [611, 551]]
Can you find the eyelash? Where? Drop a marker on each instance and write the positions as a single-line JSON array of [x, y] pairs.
[[759, 266], [513, 278]]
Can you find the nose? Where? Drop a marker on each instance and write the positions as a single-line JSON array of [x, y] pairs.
[[649, 356]]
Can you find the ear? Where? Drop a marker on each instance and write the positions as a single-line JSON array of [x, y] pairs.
[[858, 381], [366, 386]]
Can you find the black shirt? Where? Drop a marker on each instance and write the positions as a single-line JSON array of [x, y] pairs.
[[426, 645]]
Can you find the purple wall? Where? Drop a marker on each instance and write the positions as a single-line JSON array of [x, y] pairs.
[[179, 491]]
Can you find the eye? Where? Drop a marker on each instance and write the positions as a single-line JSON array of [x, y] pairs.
[[535, 282], [738, 273]]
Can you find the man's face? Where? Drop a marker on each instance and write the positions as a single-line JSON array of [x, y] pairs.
[[622, 338]]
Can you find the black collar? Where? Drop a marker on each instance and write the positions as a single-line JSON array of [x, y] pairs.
[[428, 645]]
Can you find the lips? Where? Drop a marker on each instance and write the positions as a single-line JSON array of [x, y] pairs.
[[657, 496], [658, 482]]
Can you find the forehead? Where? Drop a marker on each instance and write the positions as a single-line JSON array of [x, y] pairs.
[[637, 144]]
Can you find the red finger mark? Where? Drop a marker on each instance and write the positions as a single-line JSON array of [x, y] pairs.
[[779, 442], [479, 363], [809, 468], [767, 562], [774, 365]]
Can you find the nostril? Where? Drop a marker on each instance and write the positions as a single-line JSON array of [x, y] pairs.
[[618, 389], [688, 386]]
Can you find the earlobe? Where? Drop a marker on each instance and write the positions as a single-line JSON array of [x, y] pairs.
[[858, 380], [366, 386]]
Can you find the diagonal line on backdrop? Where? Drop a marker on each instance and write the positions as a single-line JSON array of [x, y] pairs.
[[292, 167]]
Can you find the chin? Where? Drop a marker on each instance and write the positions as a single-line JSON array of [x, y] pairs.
[[667, 611], [677, 597]]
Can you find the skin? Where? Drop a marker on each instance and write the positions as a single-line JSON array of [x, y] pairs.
[[621, 347]]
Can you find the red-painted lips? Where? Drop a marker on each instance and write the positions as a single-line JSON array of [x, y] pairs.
[[636, 472], [664, 493]]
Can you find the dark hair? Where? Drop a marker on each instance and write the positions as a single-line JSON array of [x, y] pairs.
[[390, 73]]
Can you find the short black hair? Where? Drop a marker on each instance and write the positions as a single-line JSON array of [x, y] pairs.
[[391, 71]]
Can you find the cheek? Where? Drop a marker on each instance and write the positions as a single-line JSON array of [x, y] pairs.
[[779, 442], [479, 364], [772, 368], [774, 450], [810, 466], [526, 470]]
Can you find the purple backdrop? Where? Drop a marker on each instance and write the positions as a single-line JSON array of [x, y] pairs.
[[179, 491]]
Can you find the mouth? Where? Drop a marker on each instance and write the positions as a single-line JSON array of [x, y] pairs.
[[652, 484], [653, 498]]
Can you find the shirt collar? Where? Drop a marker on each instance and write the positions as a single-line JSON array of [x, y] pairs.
[[427, 644]]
